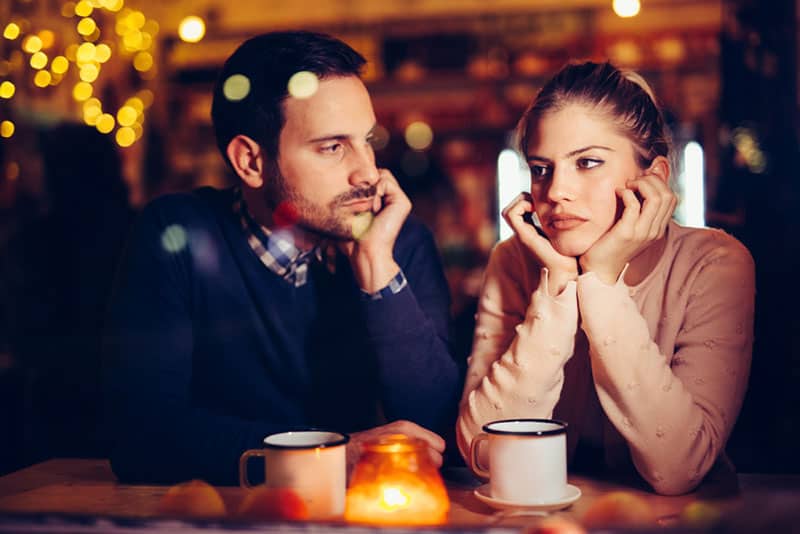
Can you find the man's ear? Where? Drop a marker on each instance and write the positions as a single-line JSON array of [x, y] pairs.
[[247, 159], [660, 168]]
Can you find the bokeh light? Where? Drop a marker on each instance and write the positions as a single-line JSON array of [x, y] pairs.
[[236, 87], [39, 60], [42, 78], [89, 72], [82, 91], [126, 116], [7, 89], [626, 8], [60, 65], [192, 29], [86, 26], [360, 223], [6, 129], [67, 9], [174, 238], [102, 53], [143, 61], [105, 123], [32, 44], [85, 53], [303, 84], [11, 31], [48, 38], [92, 109], [419, 135], [380, 138], [125, 136], [12, 171], [83, 8]]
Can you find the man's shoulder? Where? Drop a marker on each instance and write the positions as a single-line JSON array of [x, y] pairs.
[[197, 207], [414, 230]]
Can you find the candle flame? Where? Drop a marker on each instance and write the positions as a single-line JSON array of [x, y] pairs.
[[393, 498]]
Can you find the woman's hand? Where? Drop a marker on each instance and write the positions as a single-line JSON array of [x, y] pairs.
[[639, 226], [561, 268]]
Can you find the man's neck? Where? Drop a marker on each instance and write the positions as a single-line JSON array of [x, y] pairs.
[[260, 211]]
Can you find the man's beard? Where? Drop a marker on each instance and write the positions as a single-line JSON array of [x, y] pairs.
[[326, 220]]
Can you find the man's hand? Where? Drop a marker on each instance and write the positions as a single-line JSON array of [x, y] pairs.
[[562, 268], [412, 430], [371, 252], [638, 227]]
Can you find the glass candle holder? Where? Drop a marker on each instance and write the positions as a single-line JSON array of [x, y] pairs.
[[396, 483]]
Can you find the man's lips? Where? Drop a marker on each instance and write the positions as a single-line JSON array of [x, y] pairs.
[[362, 203]]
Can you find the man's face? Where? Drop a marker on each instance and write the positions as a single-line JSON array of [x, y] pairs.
[[326, 170]]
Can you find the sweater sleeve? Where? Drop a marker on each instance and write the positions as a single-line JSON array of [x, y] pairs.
[[677, 410], [408, 330], [159, 435], [522, 341]]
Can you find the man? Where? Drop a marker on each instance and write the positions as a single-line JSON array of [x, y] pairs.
[[301, 298]]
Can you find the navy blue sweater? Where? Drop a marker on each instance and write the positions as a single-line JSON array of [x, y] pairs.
[[208, 351]]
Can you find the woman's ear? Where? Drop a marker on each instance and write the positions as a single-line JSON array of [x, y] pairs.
[[660, 168], [247, 159]]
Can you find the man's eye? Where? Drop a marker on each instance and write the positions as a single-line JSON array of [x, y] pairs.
[[589, 163], [332, 148]]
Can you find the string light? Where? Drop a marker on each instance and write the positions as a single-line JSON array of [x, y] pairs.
[[192, 29]]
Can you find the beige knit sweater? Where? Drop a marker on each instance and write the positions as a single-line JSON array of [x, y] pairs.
[[669, 358]]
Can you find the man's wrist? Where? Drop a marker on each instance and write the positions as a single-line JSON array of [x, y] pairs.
[[373, 272]]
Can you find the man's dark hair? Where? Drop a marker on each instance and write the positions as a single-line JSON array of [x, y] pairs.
[[268, 61]]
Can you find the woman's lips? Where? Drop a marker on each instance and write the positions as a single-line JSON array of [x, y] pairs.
[[566, 222]]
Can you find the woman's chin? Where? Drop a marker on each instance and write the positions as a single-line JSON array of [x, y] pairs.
[[570, 247]]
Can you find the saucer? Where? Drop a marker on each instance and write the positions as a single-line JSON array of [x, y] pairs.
[[572, 494]]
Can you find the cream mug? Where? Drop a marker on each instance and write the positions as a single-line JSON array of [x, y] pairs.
[[312, 463], [527, 460]]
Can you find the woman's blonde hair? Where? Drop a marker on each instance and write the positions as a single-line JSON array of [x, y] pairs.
[[623, 95]]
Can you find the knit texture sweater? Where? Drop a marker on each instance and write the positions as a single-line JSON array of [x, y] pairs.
[[207, 351], [668, 359]]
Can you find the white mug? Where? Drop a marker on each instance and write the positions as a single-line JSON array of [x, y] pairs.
[[312, 463], [527, 460]]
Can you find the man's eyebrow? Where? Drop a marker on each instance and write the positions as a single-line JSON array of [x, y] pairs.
[[340, 137], [534, 157]]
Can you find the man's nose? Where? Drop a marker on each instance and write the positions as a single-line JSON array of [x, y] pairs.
[[363, 171]]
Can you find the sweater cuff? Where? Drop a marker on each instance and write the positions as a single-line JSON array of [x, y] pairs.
[[394, 287]]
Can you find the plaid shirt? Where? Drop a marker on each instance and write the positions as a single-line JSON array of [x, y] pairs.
[[278, 253]]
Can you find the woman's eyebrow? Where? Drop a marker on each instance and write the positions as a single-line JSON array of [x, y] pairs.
[[534, 157]]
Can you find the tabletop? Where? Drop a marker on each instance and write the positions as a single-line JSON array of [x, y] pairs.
[[87, 488]]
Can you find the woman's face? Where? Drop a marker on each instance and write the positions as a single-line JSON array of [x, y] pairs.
[[578, 160]]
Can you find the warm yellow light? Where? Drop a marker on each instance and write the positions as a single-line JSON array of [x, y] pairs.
[[393, 498], [150, 27], [132, 40], [137, 130], [6, 129], [135, 103], [126, 116], [87, 26], [191, 29], [147, 41], [48, 38], [42, 78], [92, 111], [72, 52], [85, 53], [39, 60], [143, 61], [60, 65], [67, 9], [136, 20], [32, 44], [112, 5], [146, 96], [419, 135], [236, 87], [11, 32], [626, 8], [83, 8], [56, 78], [125, 137], [7, 89], [102, 53], [105, 123], [82, 91], [5, 67], [89, 72], [303, 84]]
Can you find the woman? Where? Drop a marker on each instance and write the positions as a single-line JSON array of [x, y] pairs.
[[654, 372]]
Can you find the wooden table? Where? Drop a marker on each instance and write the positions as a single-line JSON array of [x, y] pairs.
[[88, 488]]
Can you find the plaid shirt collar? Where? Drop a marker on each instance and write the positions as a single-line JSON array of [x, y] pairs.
[[276, 248]]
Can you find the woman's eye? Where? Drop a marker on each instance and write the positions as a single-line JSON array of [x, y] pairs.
[[539, 172], [589, 163]]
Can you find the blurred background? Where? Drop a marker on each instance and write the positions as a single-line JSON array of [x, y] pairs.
[[104, 104]]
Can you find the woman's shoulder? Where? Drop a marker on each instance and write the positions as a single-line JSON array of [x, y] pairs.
[[707, 245]]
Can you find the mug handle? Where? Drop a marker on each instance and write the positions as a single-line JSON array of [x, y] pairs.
[[246, 455], [473, 456]]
